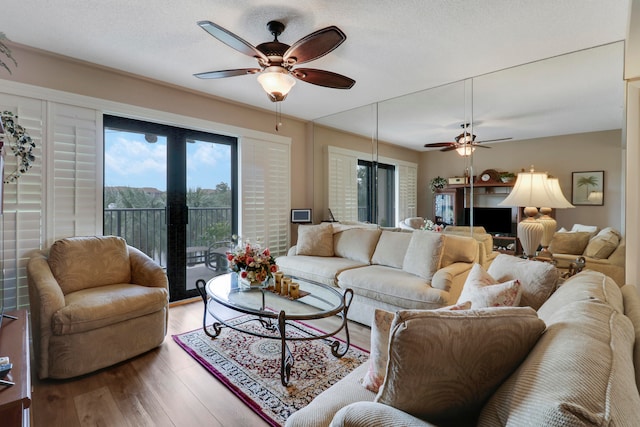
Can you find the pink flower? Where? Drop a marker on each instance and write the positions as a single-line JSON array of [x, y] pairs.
[[266, 252], [274, 268]]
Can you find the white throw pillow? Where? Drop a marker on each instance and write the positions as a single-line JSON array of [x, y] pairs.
[[484, 291]]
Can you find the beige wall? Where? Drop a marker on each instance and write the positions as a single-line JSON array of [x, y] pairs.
[[559, 156]]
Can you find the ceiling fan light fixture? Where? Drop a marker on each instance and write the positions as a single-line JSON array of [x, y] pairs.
[[466, 150], [277, 82]]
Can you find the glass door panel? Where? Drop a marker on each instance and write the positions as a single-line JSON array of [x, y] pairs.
[[209, 201]]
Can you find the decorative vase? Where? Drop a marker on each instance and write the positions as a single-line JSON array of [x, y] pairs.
[[247, 284]]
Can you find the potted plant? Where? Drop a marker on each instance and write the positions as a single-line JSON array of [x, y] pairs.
[[507, 176], [6, 52], [437, 183]]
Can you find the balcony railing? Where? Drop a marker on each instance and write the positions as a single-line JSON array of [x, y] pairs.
[[146, 228]]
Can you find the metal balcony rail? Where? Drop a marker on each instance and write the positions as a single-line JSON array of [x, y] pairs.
[[146, 228]]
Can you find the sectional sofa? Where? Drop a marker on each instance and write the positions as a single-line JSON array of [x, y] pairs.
[[573, 362], [387, 269]]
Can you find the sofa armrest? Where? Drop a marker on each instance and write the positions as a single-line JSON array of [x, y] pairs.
[[366, 414], [451, 279], [45, 298], [145, 271], [293, 250]]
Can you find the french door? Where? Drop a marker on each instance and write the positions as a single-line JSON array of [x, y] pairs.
[[172, 193]]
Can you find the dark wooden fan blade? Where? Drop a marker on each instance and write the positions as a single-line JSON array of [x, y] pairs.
[[439, 144], [323, 78], [315, 45], [227, 73], [451, 148], [492, 140], [480, 146], [231, 40]]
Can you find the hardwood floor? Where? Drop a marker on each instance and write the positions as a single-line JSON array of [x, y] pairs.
[[164, 387]]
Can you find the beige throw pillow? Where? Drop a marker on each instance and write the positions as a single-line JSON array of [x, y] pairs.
[[484, 291], [357, 244], [603, 244], [380, 328], [316, 240], [423, 254], [443, 365], [572, 243], [538, 280]]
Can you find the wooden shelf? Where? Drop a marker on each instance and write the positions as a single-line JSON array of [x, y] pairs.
[[14, 342]]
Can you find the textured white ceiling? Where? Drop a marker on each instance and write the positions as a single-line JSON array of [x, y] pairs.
[[393, 48]]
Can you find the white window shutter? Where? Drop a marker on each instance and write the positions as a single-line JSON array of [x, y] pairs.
[[407, 191], [343, 184], [265, 195]]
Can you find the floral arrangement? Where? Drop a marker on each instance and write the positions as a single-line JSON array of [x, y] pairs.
[[252, 263], [20, 142], [431, 226]]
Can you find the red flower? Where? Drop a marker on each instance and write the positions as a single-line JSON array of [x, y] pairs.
[[243, 274], [274, 268], [267, 252], [229, 256]]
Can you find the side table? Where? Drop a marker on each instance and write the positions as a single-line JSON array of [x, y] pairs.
[[14, 342]]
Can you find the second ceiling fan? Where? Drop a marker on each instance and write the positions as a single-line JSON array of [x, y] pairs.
[[277, 60], [465, 143]]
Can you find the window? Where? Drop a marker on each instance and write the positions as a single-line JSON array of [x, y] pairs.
[[376, 206]]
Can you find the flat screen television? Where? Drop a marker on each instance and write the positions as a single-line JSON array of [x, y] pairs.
[[494, 220]]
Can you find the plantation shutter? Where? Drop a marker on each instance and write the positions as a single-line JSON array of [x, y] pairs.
[[22, 204], [265, 195], [74, 196], [343, 184], [407, 191]]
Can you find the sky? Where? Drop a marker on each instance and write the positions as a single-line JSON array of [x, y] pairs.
[[133, 162]]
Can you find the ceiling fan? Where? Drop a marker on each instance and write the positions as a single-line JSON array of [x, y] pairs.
[[277, 60], [465, 143]]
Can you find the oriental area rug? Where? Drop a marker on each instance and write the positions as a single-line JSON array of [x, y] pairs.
[[250, 367]]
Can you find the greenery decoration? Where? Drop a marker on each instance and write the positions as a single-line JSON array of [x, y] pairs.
[[20, 144], [6, 52], [437, 183]]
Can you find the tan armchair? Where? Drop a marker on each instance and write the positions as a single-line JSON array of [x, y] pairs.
[[485, 242], [95, 301]]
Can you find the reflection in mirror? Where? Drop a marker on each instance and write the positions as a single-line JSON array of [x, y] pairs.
[[564, 114]]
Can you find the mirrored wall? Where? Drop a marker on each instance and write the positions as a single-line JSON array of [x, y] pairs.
[[562, 115]]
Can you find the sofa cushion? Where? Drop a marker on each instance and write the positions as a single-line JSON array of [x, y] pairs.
[[458, 249], [444, 364], [97, 307], [317, 268], [573, 243], [423, 254], [603, 244], [484, 291], [74, 262], [380, 328], [357, 244], [538, 279], [315, 240], [581, 370], [591, 229], [632, 311], [391, 249], [392, 286]]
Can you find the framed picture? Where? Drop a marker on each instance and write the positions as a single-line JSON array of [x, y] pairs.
[[587, 188], [300, 216]]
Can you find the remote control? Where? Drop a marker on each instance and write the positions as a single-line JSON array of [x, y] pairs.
[[5, 369]]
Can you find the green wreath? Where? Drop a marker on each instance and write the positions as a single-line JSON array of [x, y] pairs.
[[20, 143]]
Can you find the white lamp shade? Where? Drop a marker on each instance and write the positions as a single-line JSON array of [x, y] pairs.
[[277, 82], [531, 190], [559, 201], [466, 150]]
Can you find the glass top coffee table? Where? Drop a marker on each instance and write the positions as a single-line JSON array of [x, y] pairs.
[[277, 313]]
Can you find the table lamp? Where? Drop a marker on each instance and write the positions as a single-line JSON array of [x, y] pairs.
[[530, 191]]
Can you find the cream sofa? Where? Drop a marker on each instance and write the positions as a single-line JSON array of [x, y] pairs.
[[95, 301], [386, 269], [603, 251], [584, 368], [485, 241]]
